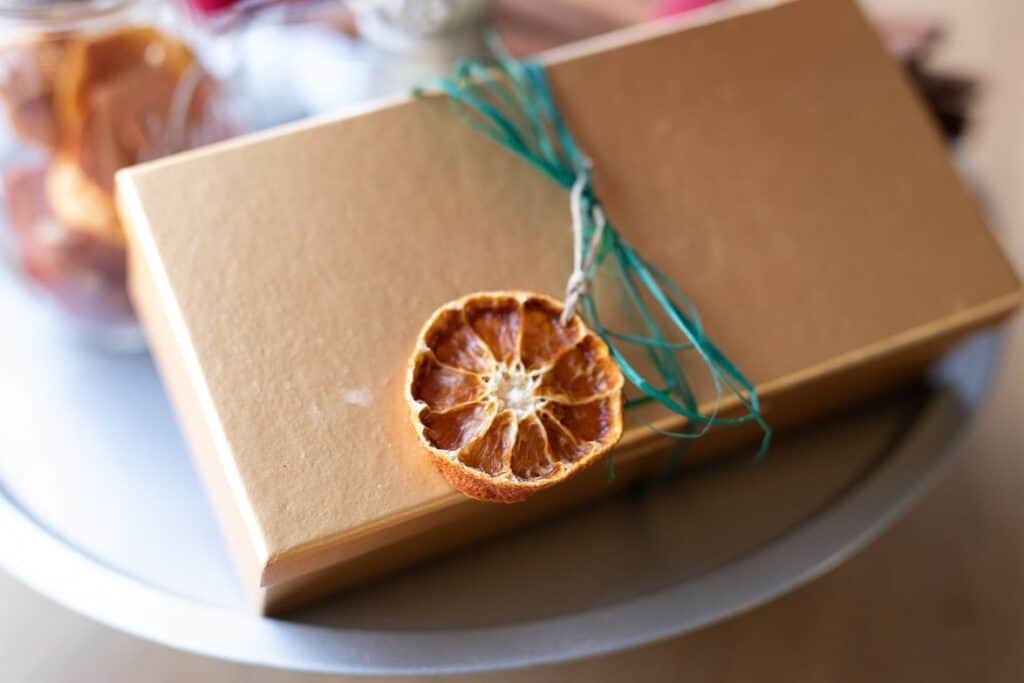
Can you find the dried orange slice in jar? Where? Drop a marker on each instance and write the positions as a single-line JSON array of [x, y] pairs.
[[118, 99], [507, 399]]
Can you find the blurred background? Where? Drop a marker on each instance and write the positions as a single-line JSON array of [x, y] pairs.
[[938, 598]]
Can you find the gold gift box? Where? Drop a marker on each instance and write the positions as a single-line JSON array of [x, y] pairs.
[[774, 163]]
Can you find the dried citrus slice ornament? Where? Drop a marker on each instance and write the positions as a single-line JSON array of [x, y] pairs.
[[508, 399]]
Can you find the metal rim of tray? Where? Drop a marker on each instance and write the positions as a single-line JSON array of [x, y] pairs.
[[62, 572]]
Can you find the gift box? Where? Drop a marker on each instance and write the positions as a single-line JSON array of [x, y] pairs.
[[773, 162]]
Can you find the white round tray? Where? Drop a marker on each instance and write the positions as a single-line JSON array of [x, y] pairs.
[[101, 511]]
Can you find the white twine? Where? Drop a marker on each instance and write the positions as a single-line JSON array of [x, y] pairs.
[[582, 264]]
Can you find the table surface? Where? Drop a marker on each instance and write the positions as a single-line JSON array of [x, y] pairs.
[[937, 598]]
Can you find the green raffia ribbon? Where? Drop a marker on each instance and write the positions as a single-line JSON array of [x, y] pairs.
[[509, 101]]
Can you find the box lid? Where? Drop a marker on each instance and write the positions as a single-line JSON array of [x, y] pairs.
[[775, 164]]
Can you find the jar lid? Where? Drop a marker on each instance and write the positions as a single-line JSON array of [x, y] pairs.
[[48, 11], [419, 26]]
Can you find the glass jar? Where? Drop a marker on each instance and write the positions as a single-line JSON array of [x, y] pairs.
[[88, 87]]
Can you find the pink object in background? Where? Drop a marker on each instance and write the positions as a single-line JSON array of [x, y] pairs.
[[208, 8], [667, 8]]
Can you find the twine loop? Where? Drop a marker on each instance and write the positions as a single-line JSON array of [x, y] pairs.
[[583, 255]]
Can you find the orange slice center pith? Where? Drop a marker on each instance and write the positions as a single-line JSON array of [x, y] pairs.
[[510, 400]]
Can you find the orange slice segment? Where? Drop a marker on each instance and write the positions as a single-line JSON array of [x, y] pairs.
[[544, 338], [442, 387], [507, 400], [454, 429], [454, 343], [581, 373]]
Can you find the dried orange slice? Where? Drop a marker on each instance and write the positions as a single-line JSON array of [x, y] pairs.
[[507, 399], [81, 204], [115, 98]]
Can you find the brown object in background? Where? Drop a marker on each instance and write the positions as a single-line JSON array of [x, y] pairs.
[[949, 96], [28, 73], [87, 274], [793, 186]]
